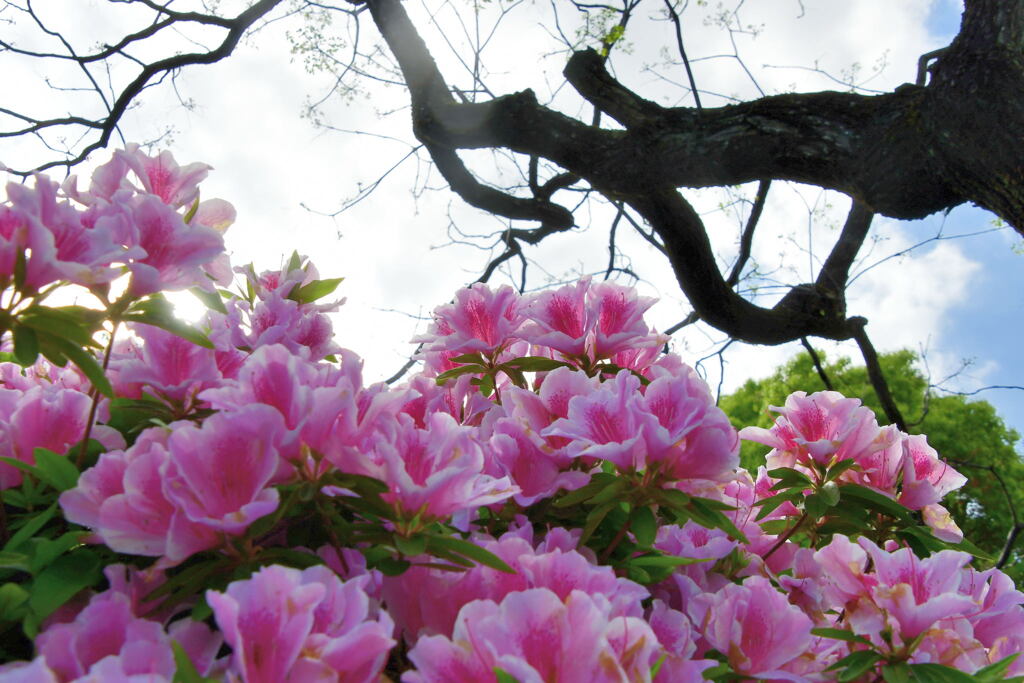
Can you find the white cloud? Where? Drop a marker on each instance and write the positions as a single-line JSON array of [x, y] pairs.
[[269, 162]]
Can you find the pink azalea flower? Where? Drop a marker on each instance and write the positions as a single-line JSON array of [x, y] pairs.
[[460, 399], [693, 540], [676, 634], [672, 426], [754, 626], [535, 636], [411, 596], [619, 314], [276, 377], [35, 671], [62, 248], [481, 319], [560, 319], [694, 439], [14, 227], [536, 472], [167, 366], [45, 416], [284, 623], [537, 463], [431, 473], [609, 424], [174, 251], [345, 417], [593, 320], [121, 498], [217, 474], [926, 479], [108, 642], [938, 519], [175, 185], [824, 427], [916, 593]]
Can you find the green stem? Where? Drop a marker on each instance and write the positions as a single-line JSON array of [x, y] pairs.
[[786, 536], [615, 542], [95, 393]]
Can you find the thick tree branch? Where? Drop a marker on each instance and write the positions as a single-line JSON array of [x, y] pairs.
[[875, 374], [430, 95], [836, 270], [495, 201], [804, 311], [880, 149]]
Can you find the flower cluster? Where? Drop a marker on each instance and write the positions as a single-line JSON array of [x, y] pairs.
[[551, 498]]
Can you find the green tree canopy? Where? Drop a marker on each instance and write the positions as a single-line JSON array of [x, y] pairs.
[[968, 434]]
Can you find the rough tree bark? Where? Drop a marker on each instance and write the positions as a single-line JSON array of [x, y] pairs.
[[905, 154]]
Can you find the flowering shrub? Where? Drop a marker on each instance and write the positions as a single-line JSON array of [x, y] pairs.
[[550, 499]]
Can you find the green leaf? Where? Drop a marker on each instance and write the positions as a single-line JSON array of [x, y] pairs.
[[185, 670], [839, 468], [719, 672], [317, 289], [26, 345], [191, 213], [501, 676], [13, 598], [470, 550], [212, 300], [769, 505], [390, 566], [291, 557], [56, 469], [411, 546], [994, 672], [776, 526], [665, 561], [45, 551], [815, 506], [62, 580], [159, 313], [458, 372], [855, 665], [536, 364], [790, 476], [936, 673], [644, 525], [611, 492], [595, 517], [875, 500], [897, 673], [486, 384], [840, 634], [13, 560], [673, 499], [59, 323], [31, 527], [130, 415], [294, 262], [20, 263], [56, 349], [597, 484], [23, 466], [708, 511]]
